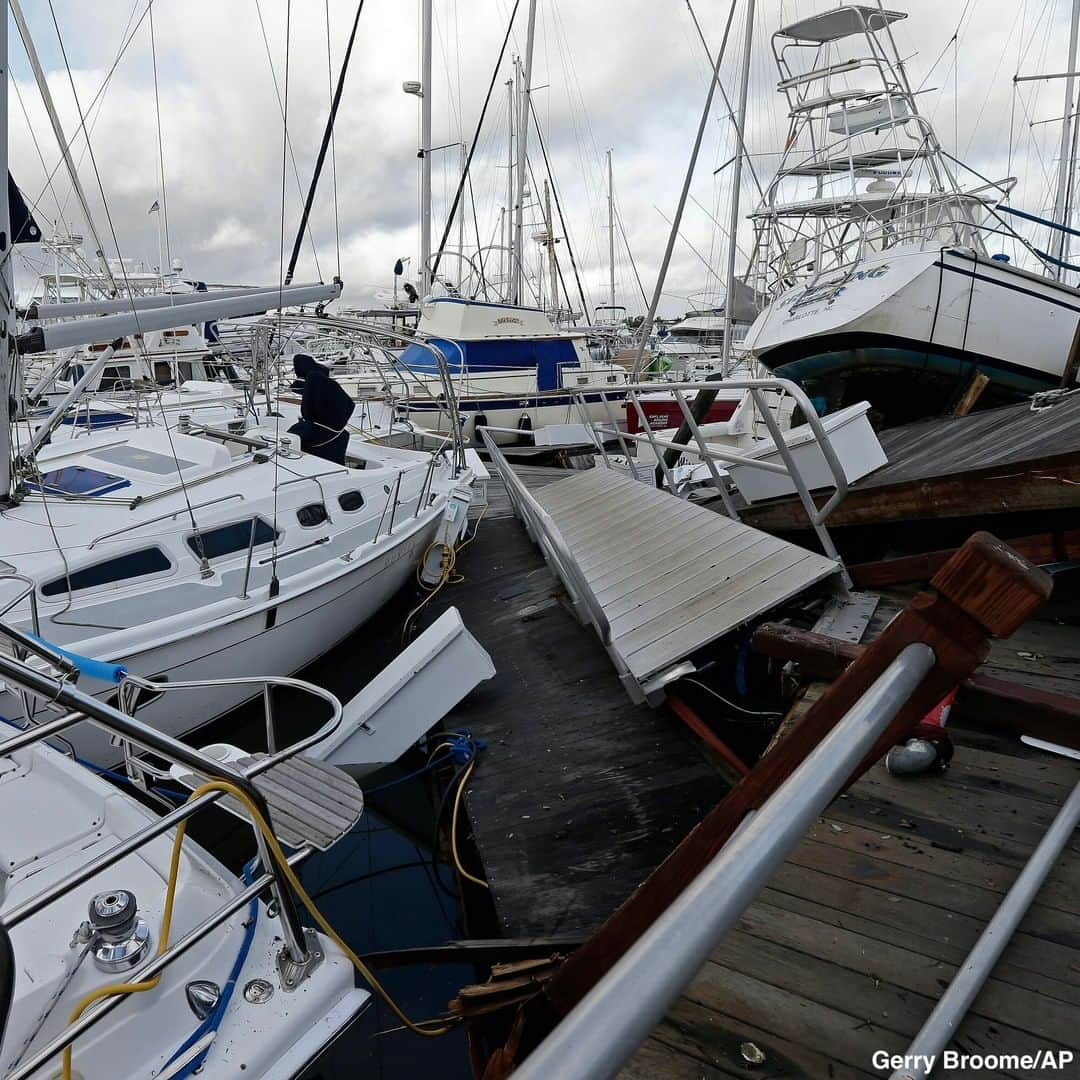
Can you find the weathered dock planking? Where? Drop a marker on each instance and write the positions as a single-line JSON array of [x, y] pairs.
[[849, 947], [853, 941], [579, 794], [1008, 460]]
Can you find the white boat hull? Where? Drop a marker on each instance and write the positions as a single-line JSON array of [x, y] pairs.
[[930, 317], [305, 625]]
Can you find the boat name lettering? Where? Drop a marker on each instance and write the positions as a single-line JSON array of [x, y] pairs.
[[504, 320]]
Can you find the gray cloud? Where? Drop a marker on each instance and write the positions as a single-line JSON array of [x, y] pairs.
[[629, 75]]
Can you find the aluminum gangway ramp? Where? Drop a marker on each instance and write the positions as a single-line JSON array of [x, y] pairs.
[[658, 576]]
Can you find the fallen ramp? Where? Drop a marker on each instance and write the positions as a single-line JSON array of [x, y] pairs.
[[659, 577]]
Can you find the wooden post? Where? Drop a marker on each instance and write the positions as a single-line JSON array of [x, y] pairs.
[[988, 701], [984, 590], [972, 393], [1069, 373]]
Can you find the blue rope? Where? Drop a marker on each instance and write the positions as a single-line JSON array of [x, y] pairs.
[[463, 748], [121, 778], [213, 1020]]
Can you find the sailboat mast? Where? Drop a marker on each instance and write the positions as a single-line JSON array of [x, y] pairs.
[[461, 223], [508, 237], [736, 183], [425, 147], [522, 141], [553, 267], [6, 283], [1064, 162], [611, 235]]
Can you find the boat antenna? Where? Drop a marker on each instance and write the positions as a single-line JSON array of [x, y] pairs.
[[327, 133], [472, 146]]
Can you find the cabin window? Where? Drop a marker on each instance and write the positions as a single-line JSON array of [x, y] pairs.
[[583, 380], [227, 539], [162, 372], [115, 378], [350, 501], [183, 371], [311, 515], [134, 564]]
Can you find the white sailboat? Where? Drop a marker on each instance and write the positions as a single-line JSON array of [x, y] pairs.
[[195, 552], [144, 955]]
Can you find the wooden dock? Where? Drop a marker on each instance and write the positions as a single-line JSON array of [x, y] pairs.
[[853, 941], [1009, 460], [579, 794]]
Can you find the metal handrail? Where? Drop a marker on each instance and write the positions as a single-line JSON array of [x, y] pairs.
[[30, 590], [555, 547], [85, 708], [265, 683], [159, 963], [624, 1007], [817, 516], [423, 341]]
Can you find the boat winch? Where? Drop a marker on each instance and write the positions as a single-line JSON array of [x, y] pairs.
[[119, 937]]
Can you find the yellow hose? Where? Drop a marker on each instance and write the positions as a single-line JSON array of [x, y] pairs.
[[453, 829], [290, 875]]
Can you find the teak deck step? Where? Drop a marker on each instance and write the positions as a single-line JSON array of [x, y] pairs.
[[670, 576], [310, 802]]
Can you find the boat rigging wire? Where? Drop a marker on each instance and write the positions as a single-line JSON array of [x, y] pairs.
[[277, 855], [647, 325], [333, 146], [321, 157], [562, 220], [292, 154], [138, 337], [473, 144], [274, 584]]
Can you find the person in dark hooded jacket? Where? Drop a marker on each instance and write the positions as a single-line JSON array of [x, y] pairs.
[[325, 409]]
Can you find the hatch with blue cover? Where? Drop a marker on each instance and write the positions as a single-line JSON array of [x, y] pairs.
[[77, 480]]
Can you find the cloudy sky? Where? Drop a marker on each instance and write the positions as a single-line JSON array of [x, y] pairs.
[[629, 75]]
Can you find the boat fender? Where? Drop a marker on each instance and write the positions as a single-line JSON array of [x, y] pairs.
[[524, 424], [438, 559], [100, 670], [479, 421]]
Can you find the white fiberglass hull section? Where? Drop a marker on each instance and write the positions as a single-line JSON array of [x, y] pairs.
[[1009, 321]]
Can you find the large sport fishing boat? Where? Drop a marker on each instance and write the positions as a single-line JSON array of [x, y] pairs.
[[888, 279]]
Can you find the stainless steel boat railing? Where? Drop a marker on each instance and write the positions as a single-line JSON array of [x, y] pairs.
[[77, 707]]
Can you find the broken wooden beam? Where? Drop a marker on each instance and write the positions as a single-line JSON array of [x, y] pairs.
[[985, 590], [1060, 545], [983, 700], [1050, 483]]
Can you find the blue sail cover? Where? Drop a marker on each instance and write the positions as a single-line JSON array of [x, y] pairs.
[[544, 355]]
